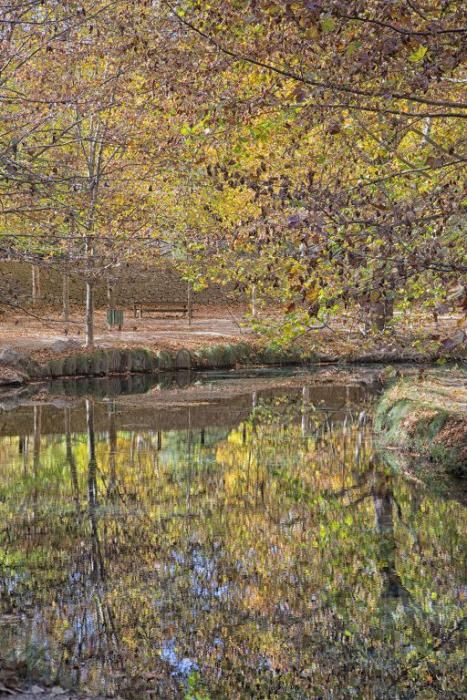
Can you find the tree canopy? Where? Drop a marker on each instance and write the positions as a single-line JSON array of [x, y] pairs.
[[313, 150]]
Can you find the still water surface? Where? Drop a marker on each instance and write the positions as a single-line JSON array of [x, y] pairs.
[[230, 537]]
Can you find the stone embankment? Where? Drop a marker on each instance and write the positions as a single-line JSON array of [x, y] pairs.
[[67, 358], [69, 361]]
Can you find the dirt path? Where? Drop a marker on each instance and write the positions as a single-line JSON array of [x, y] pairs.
[[210, 325]]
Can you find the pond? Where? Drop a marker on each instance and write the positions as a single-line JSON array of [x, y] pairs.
[[224, 536]]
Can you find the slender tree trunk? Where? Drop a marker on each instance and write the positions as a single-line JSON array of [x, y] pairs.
[[189, 303], [89, 315], [253, 301], [36, 284], [89, 311], [110, 302], [66, 297]]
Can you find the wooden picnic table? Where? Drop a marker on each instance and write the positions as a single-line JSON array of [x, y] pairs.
[[162, 307]]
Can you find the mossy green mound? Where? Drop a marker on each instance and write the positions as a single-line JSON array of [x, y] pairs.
[[233, 355], [427, 419], [216, 356], [100, 362], [105, 361], [278, 356], [166, 360]]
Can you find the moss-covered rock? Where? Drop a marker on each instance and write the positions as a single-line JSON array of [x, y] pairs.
[[139, 360], [82, 364], [98, 363], [183, 359], [244, 353], [126, 361], [56, 367], [19, 361], [11, 377], [114, 359], [200, 360], [166, 360], [69, 366], [152, 363], [278, 356], [216, 356], [428, 420]]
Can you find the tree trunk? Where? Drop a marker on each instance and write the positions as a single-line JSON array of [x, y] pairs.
[[110, 300], [381, 300], [253, 301], [66, 297], [378, 314], [89, 315], [382, 311], [189, 303], [36, 284]]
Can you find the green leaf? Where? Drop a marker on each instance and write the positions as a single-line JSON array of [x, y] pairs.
[[418, 54], [328, 24], [352, 47]]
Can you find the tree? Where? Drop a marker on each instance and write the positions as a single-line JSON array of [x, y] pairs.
[[87, 204], [340, 142]]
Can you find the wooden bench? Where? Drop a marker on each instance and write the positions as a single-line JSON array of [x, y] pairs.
[[162, 307]]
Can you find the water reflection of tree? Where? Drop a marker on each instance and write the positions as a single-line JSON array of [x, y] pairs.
[[267, 555], [106, 641], [71, 461], [384, 503], [112, 488], [375, 482], [36, 453], [97, 560]]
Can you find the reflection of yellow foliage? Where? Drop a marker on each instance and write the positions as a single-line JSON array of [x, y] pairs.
[[238, 455], [289, 548]]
